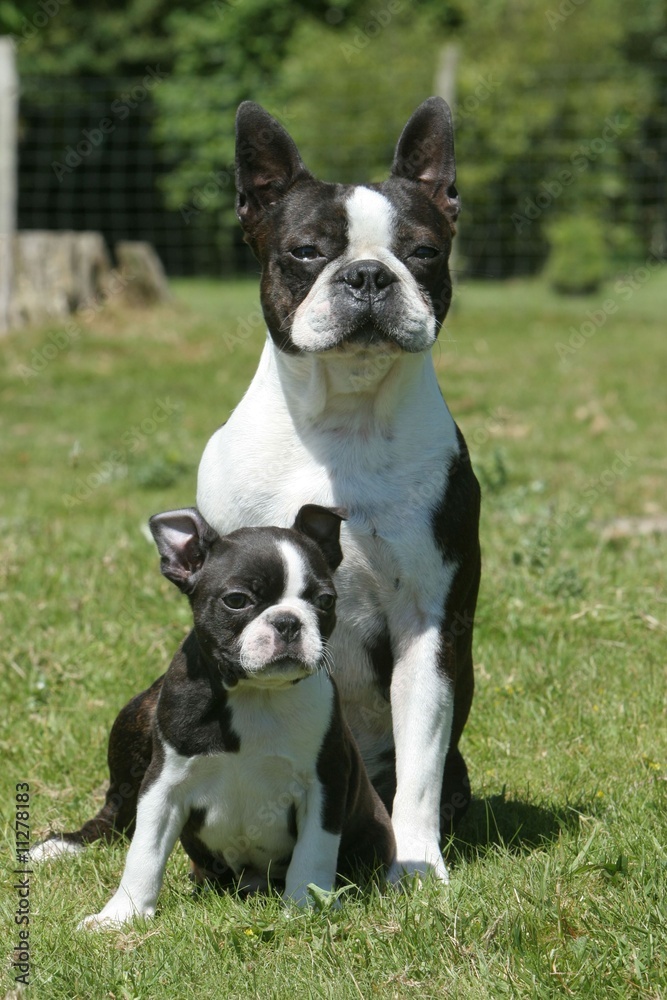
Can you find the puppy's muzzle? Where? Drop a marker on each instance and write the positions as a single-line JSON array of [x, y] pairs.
[[282, 645], [288, 626]]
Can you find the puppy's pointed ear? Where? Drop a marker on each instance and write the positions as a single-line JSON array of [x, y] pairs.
[[183, 539], [267, 163], [322, 525], [425, 153]]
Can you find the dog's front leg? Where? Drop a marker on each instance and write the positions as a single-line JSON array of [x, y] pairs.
[[160, 820], [315, 854], [422, 711]]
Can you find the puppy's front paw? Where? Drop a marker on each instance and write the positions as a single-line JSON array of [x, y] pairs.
[[96, 922], [110, 919]]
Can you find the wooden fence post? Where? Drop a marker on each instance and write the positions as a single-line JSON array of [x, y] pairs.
[[445, 87], [9, 99], [445, 76]]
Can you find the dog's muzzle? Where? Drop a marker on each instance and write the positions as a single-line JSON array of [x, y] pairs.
[[365, 297], [366, 279]]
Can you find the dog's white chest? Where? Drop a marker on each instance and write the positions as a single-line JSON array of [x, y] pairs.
[[251, 799], [248, 804], [284, 446]]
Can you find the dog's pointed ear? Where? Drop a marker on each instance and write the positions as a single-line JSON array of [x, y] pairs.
[[267, 163], [183, 539], [425, 153], [322, 525]]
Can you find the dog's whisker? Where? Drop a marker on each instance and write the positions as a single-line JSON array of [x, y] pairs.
[[327, 660]]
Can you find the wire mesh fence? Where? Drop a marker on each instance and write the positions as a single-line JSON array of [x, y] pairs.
[[89, 159]]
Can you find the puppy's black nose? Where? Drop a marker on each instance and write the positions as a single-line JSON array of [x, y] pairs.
[[368, 276], [287, 626]]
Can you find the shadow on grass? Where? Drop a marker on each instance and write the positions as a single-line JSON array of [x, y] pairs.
[[514, 825]]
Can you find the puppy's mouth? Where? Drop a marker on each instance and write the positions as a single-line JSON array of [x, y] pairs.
[[280, 671], [285, 664]]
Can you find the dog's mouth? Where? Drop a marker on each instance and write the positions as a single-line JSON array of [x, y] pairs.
[[280, 671], [366, 335], [377, 338]]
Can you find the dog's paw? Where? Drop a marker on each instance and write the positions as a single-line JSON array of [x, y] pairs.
[[53, 847], [112, 919], [310, 895], [417, 859], [324, 900], [96, 922], [407, 875], [298, 897]]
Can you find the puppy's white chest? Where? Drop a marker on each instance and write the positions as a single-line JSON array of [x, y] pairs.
[[249, 805], [250, 801]]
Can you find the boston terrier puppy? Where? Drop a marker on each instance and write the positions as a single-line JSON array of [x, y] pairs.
[[250, 761]]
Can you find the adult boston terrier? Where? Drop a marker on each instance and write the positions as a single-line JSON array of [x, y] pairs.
[[251, 762], [345, 411]]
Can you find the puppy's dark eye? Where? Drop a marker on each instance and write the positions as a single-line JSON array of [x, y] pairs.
[[325, 602], [305, 253], [236, 601], [425, 253]]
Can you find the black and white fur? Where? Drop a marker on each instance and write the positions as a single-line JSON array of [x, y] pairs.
[[251, 764], [345, 410]]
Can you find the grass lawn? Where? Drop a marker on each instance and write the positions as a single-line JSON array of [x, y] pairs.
[[559, 871]]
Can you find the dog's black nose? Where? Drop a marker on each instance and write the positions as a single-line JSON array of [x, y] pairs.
[[368, 276], [286, 625]]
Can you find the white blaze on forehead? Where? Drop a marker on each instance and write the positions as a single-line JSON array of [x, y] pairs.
[[370, 219], [260, 641], [295, 571]]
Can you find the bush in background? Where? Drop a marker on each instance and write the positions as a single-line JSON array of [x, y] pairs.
[[578, 260]]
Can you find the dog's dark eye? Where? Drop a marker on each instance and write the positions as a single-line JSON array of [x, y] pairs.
[[305, 253], [236, 601], [425, 253], [325, 602]]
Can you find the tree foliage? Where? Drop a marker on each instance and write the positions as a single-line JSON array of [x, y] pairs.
[[560, 121], [560, 105]]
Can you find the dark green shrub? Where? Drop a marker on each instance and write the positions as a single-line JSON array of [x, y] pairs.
[[578, 260]]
